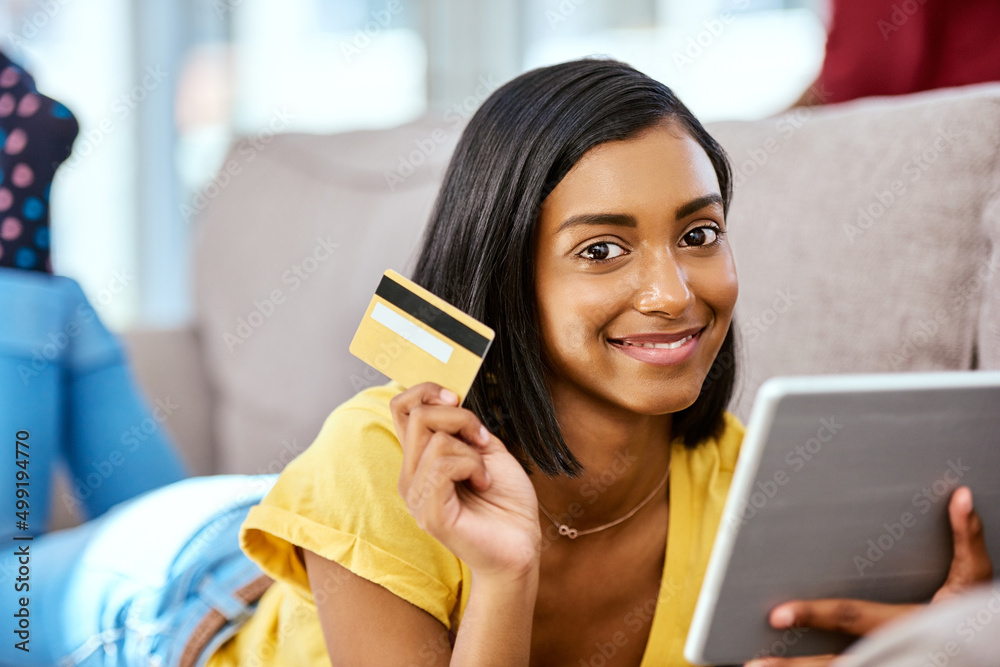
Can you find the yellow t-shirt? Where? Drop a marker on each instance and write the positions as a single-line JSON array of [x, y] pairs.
[[339, 500]]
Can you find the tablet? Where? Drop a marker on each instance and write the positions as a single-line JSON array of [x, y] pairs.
[[841, 490]]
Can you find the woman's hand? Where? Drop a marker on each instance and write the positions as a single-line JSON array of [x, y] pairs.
[[463, 486], [969, 566]]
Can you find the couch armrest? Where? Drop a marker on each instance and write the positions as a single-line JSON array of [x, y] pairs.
[[167, 364]]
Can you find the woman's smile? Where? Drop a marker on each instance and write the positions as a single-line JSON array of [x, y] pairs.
[[659, 349]]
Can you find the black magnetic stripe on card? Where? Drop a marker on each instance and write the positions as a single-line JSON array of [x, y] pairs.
[[432, 316]]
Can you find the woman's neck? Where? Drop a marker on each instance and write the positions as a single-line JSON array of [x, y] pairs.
[[624, 456]]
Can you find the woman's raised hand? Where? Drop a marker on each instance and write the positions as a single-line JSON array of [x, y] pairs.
[[462, 485]]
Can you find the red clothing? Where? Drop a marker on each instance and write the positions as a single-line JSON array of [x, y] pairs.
[[894, 47]]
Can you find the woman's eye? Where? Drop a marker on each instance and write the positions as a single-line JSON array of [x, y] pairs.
[[701, 236], [602, 251]]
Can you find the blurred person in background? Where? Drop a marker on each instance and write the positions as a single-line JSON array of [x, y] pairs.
[[67, 396], [895, 47]]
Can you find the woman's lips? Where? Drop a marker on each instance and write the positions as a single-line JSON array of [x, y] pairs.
[[659, 349]]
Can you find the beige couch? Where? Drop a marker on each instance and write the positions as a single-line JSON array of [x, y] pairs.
[[867, 238]]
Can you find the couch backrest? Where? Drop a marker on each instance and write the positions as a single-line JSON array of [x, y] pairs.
[[867, 238]]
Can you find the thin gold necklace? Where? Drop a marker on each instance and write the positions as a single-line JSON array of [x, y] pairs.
[[573, 533]]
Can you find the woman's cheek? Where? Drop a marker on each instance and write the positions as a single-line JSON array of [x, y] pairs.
[[718, 286], [570, 330], [574, 320]]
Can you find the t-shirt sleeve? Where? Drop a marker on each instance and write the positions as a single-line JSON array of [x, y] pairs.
[[339, 500]]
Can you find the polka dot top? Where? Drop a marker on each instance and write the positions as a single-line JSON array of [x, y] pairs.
[[36, 134]]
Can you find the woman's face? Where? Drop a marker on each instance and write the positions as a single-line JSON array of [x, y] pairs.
[[635, 280]]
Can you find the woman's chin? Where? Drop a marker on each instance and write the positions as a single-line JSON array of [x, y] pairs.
[[662, 403]]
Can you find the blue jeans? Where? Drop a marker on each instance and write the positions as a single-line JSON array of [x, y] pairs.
[[138, 585]]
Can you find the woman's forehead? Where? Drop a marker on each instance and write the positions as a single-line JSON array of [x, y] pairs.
[[662, 167]]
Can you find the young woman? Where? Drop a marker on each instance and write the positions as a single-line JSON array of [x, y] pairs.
[[564, 516]]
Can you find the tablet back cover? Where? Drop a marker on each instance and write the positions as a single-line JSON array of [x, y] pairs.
[[850, 500]]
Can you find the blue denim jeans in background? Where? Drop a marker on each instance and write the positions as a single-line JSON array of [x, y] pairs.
[[130, 587], [66, 388]]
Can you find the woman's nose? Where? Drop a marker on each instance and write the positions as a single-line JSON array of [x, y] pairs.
[[664, 289]]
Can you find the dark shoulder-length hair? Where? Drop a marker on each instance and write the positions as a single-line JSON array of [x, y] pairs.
[[477, 248]]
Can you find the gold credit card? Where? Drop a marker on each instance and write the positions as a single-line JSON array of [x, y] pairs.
[[412, 336]]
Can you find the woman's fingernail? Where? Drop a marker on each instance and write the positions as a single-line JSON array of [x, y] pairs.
[[968, 491], [484, 436], [448, 396], [783, 618]]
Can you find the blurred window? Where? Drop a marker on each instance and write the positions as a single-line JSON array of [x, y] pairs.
[[725, 59]]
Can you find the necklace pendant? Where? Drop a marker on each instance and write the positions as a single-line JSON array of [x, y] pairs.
[[571, 533]]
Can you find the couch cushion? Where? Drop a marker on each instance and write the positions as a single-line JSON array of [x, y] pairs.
[[290, 252], [988, 280], [865, 236]]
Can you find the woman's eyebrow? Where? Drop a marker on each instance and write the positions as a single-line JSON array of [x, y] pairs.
[[684, 210], [614, 219], [627, 220]]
